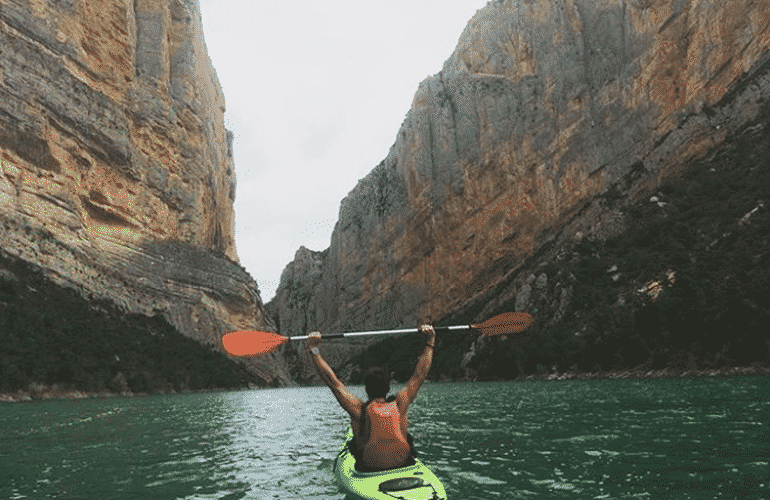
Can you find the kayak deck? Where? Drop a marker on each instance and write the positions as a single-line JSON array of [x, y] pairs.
[[414, 482]]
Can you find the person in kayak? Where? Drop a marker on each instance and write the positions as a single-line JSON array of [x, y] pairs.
[[380, 425]]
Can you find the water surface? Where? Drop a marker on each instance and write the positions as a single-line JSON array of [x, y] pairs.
[[679, 439]]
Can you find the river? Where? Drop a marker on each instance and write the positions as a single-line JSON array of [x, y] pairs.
[[688, 438]]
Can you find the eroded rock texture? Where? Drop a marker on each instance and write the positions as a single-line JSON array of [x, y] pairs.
[[117, 172], [543, 109], [295, 310]]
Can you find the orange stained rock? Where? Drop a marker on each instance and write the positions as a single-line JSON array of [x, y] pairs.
[[101, 167]]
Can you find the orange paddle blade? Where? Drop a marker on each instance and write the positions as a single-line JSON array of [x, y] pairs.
[[505, 324], [252, 343]]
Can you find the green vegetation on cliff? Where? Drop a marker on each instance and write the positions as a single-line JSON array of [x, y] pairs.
[[52, 336], [709, 258], [698, 249]]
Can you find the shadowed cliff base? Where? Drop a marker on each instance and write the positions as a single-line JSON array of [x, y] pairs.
[[755, 370], [58, 343]]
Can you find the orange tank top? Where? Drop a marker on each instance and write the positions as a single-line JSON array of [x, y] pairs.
[[386, 447]]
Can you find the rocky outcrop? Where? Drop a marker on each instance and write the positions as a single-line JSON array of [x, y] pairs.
[[116, 171], [293, 309], [294, 312], [545, 110]]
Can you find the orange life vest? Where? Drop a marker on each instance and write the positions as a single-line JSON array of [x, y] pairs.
[[386, 446]]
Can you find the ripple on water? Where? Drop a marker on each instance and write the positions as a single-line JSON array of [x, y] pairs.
[[587, 437], [477, 478]]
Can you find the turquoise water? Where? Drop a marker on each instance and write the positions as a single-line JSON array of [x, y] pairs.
[[678, 439]]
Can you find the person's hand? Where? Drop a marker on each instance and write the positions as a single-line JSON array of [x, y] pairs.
[[430, 334], [314, 340]]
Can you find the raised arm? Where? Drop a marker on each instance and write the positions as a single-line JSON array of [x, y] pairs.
[[409, 392], [349, 402]]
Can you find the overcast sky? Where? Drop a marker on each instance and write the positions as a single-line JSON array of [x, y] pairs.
[[315, 93]]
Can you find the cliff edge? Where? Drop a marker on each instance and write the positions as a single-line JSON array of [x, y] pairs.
[[116, 170]]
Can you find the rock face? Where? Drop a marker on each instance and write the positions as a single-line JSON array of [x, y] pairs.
[[293, 305], [116, 171], [295, 312], [544, 109]]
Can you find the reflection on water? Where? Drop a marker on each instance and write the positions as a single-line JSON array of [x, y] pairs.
[[683, 439]]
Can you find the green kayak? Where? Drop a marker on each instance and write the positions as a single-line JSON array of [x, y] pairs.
[[415, 482]]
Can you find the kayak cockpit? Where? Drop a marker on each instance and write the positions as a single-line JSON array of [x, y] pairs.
[[414, 482], [408, 488]]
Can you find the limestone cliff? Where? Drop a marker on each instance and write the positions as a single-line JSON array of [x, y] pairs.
[[544, 111], [116, 170]]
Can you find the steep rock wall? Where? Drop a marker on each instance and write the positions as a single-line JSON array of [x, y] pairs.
[[294, 311], [543, 109], [116, 171]]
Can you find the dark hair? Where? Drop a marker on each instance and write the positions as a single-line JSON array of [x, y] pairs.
[[377, 383]]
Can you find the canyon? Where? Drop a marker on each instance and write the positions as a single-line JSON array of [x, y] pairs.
[[601, 165], [546, 126]]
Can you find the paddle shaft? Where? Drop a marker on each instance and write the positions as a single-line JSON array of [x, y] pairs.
[[383, 332], [251, 343]]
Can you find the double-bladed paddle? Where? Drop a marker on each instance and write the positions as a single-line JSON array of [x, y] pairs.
[[250, 343]]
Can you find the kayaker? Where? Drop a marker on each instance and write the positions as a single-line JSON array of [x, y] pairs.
[[380, 425]]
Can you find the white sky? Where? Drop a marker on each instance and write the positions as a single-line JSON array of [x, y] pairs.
[[316, 92]]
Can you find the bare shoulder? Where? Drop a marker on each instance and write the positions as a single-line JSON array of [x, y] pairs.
[[351, 403]]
